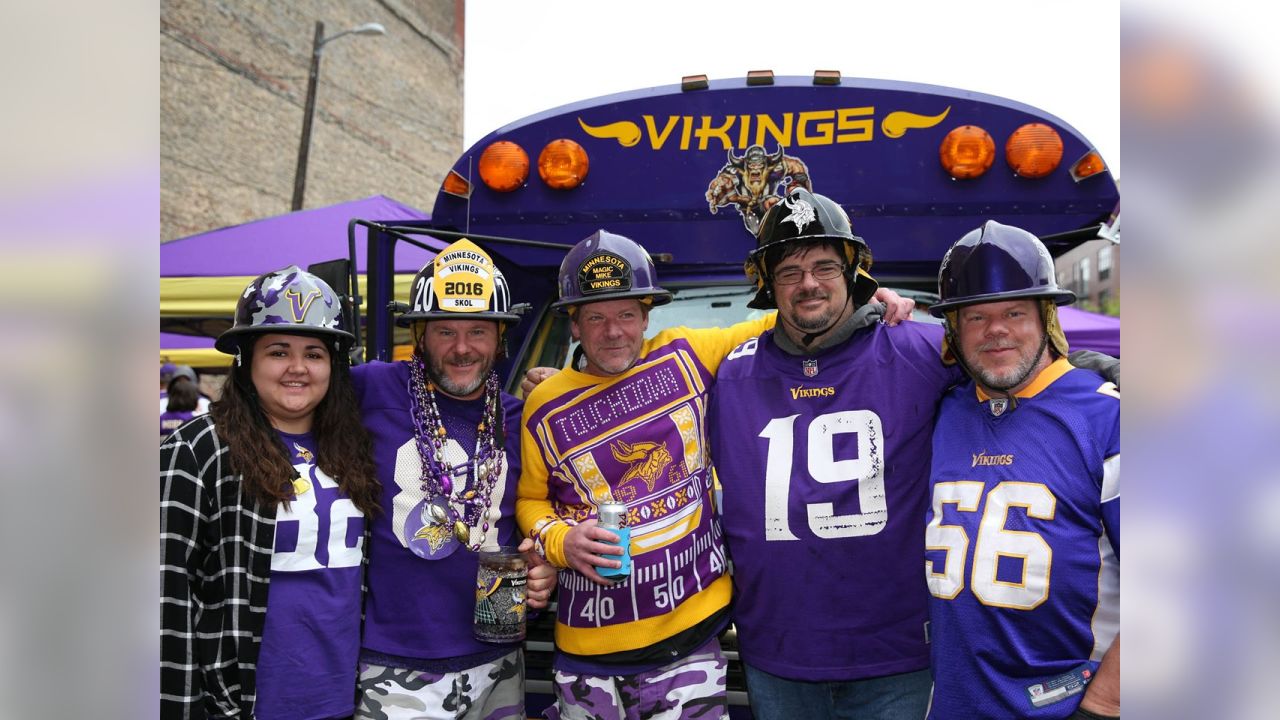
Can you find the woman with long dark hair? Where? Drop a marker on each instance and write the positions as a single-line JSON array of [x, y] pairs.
[[270, 490]]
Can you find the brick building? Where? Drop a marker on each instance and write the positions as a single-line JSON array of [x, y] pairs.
[[233, 85], [1092, 271]]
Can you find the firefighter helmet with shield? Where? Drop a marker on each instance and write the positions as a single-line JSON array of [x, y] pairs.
[[803, 216], [460, 283], [605, 266]]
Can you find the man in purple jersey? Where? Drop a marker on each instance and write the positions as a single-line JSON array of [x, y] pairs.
[[820, 436], [1026, 487], [446, 446]]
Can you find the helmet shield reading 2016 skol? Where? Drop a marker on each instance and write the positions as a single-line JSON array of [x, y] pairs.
[[462, 282], [605, 266]]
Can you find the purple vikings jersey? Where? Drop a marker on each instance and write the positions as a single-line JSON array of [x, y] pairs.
[[311, 637], [420, 607], [824, 462], [1023, 546]]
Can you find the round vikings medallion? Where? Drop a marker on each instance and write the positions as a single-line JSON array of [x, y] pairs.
[[427, 537]]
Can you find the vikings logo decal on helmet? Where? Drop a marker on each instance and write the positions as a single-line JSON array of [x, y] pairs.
[[801, 213], [288, 300]]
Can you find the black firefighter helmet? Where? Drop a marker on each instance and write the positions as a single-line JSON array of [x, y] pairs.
[[804, 216]]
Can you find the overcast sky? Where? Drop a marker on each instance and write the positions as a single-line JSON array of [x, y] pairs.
[[525, 57]]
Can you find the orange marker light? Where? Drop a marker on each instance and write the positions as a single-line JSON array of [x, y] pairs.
[[504, 166], [455, 184], [967, 152], [563, 164], [1034, 150], [1089, 165]]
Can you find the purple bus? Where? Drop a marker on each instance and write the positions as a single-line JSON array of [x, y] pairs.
[[688, 170]]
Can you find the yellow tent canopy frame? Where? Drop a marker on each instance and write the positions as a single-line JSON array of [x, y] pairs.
[[196, 357], [208, 358], [217, 296]]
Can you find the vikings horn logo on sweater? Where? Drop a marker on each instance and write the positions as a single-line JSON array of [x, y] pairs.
[[647, 461]]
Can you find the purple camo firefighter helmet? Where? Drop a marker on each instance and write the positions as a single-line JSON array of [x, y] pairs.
[[804, 216], [460, 283], [995, 263], [605, 266], [289, 300]]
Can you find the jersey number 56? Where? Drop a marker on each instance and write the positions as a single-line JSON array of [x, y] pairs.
[[993, 542]]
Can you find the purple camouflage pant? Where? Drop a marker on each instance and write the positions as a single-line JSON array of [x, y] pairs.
[[691, 688]]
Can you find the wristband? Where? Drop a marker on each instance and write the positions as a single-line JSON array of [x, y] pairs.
[[1082, 714]]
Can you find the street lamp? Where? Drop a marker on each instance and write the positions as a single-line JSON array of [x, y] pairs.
[[300, 177]]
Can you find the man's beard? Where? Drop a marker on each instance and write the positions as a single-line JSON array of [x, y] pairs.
[[1010, 378], [436, 370], [811, 323]]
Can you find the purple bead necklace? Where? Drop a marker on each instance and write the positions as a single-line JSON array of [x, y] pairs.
[[468, 505]]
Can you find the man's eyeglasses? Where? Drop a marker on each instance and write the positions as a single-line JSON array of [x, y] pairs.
[[821, 271]]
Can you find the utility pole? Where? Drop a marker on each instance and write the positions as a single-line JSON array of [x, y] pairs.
[[300, 176]]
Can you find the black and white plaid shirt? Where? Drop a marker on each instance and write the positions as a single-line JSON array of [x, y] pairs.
[[215, 561]]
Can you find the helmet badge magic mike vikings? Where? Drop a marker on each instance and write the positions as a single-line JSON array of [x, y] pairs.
[[606, 266]]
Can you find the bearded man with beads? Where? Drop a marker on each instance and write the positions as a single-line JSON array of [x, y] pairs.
[[446, 446]]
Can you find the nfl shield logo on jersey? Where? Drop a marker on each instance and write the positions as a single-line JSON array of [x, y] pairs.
[[810, 367], [999, 405]]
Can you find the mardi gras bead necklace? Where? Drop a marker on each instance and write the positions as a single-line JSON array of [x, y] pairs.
[[458, 497]]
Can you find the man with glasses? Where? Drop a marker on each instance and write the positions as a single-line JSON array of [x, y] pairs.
[[820, 435]]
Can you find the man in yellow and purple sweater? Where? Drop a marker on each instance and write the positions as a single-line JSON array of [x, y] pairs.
[[626, 424]]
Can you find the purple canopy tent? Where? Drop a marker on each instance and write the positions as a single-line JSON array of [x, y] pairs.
[[194, 350], [201, 276], [301, 238], [1090, 331]]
